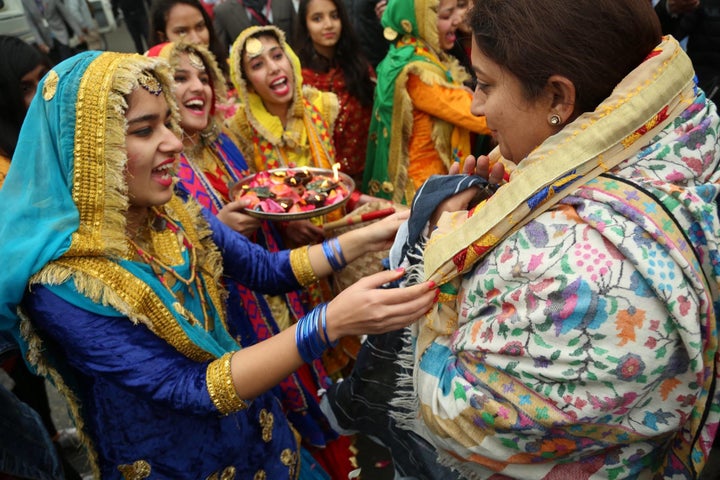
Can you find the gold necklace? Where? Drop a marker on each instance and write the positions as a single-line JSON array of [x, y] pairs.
[[160, 268]]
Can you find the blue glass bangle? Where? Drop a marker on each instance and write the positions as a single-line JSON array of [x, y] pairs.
[[308, 338], [330, 256], [337, 248], [323, 316]]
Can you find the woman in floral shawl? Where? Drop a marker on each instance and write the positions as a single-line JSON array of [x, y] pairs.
[[115, 288], [421, 120], [575, 334]]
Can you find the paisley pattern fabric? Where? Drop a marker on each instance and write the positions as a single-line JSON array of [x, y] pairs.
[[576, 335]]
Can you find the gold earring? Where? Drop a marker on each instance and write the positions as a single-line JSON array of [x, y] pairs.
[[555, 120]]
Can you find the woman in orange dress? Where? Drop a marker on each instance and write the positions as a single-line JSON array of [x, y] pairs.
[[421, 116]]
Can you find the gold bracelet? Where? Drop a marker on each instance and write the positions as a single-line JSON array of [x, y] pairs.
[[221, 388], [300, 264]]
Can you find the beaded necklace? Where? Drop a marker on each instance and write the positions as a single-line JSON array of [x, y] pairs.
[[161, 269]]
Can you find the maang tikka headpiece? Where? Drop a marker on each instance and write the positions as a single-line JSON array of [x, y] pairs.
[[149, 82]]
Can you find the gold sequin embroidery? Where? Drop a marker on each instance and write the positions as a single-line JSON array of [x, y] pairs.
[[228, 473], [137, 470], [50, 85], [266, 420], [289, 458], [389, 34], [388, 187]]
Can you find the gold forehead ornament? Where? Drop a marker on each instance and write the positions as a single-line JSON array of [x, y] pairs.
[[149, 82], [196, 61], [254, 47]]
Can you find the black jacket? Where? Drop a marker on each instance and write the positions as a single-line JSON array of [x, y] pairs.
[[702, 29]]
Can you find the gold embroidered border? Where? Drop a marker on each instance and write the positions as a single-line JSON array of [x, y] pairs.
[[301, 267], [103, 280], [221, 388]]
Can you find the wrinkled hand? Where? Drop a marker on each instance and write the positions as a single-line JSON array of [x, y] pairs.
[[233, 216], [363, 308], [302, 232], [380, 235]]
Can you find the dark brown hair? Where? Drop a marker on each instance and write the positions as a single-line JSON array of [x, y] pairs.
[[348, 54], [159, 12], [594, 43]]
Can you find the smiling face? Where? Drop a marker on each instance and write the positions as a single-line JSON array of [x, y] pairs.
[[152, 148], [186, 23], [193, 93], [269, 73], [517, 124], [447, 23], [324, 26]]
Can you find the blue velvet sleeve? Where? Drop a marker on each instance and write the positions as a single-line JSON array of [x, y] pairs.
[[115, 351], [250, 264]]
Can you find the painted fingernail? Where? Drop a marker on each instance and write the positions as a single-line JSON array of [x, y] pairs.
[[431, 285], [400, 269]]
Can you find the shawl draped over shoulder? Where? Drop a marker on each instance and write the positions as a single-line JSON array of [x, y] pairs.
[[575, 333]]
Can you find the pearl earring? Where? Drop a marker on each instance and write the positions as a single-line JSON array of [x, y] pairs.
[[555, 120]]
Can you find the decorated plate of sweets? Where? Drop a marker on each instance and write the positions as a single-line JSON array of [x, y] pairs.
[[294, 193]]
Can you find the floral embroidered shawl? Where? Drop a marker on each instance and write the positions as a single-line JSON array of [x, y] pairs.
[[576, 329]]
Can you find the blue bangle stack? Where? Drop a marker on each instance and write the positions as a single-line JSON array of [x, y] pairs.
[[334, 254], [311, 343]]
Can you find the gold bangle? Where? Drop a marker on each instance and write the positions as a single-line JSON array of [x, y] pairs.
[[221, 388], [300, 264]]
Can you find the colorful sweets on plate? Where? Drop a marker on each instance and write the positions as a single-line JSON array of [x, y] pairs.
[[292, 191]]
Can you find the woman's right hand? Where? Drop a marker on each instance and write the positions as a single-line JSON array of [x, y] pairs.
[[364, 308], [480, 166], [302, 232]]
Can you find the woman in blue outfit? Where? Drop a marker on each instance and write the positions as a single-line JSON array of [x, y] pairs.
[[114, 288]]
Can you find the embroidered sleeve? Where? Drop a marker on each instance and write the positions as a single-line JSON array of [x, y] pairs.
[[220, 386], [300, 263]]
